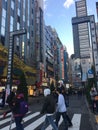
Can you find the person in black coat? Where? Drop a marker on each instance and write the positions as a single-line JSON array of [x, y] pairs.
[[3, 98], [9, 101], [49, 109]]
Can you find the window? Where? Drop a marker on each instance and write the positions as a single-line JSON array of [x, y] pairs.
[[3, 22], [12, 5], [11, 28], [28, 35], [18, 12], [11, 20], [2, 31], [3, 13], [11, 23], [24, 18], [18, 26]]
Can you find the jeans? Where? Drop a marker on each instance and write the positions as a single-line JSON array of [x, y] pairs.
[[49, 120], [58, 115], [19, 125]]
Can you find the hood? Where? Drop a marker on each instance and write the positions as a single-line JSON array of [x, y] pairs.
[[20, 95], [47, 92]]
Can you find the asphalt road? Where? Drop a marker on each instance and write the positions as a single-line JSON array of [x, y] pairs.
[[77, 105], [78, 110]]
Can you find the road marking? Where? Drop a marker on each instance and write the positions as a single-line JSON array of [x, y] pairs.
[[9, 114], [50, 127], [7, 119], [25, 119], [36, 123], [76, 120], [1, 116]]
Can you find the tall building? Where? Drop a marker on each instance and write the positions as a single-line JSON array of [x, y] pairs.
[[49, 53], [66, 66], [24, 14], [39, 41], [81, 31], [16, 15], [97, 10], [84, 37]]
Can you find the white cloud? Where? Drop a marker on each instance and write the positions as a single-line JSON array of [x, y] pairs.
[[68, 3]]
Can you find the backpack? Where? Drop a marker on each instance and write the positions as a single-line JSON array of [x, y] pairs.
[[23, 107]]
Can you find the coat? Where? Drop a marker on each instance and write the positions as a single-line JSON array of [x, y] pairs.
[[49, 105]]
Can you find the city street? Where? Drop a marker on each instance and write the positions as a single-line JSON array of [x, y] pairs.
[[78, 111], [47, 44]]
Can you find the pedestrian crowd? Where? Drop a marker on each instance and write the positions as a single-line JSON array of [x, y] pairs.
[[54, 106]]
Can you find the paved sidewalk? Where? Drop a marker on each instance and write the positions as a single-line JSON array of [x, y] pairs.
[[93, 117]]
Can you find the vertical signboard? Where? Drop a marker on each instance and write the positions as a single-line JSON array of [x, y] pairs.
[[10, 59], [10, 65], [62, 61], [97, 9]]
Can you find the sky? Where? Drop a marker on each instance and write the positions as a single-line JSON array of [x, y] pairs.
[[58, 14]]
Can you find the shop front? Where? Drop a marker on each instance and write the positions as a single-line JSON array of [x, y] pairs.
[[18, 68]]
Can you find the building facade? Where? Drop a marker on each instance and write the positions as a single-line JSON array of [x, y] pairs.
[[84, 37], [39, 53], [24, 14]]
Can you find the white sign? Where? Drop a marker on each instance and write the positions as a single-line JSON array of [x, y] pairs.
[[90, 74]]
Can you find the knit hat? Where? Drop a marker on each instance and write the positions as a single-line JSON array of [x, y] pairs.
[[46, 92]]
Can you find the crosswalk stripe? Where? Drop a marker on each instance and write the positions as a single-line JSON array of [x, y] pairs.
[[4, 121], [25, 119], [35, 123], [76, 120], [1, 116], [50, 127], [8, 119]]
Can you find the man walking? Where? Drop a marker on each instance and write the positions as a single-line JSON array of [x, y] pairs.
[[49, 109], [61, 109]]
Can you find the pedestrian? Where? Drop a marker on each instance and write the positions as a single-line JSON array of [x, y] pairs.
[[93, 93], [66, 99], [9, 101], [2, 104], [15, 109], [61, 109], [49, 109]]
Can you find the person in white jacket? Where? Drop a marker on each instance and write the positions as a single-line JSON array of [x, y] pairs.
[[61, 109]]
